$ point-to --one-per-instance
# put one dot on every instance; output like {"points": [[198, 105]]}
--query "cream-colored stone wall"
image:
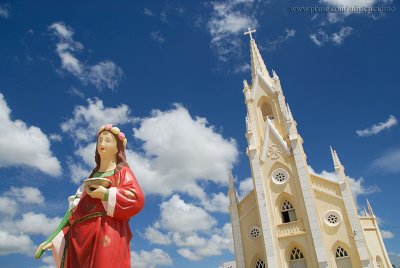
{"points": [[328, 197], [373, 241], [248, 218]]}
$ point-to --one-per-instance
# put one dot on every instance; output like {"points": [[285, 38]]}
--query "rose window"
{"points": [[332, 218], [280, 176], [254, 232]]}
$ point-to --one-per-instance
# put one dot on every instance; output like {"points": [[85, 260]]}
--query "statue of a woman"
{"points": [[95, 230]]}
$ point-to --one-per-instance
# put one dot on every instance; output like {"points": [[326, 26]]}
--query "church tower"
{"points": [[293, 217]]}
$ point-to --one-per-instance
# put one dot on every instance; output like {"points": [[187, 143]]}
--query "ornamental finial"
{"points": [[249, 32]]}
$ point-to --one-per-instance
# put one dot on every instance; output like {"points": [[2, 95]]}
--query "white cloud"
{"points": [[339, 37], [387, 234], [156, 36], [216, 203], [87, 154], [154, 236], [377, 128], [214, 246], [25, 145], [178, 216], [15, 243], [191, 229], [242, 68], [55, 137], [86, 120], [32, 223], [26, 195], [179, 152], [105, 74], [66, 46], [78, 172], [246, 186], [188, 254], [189, 240], [350, 3], [320, 38], [76, 92], [150, 259], [15, 231], [228, 20], [334, 17], [168, 10], [358, 187], [81, 168], [388, 162], [5, 11], [8, 206], [289, 33], [48, 260], [148, 12], [339, 11]]}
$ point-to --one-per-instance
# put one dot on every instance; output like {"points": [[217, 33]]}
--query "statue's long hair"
{"points": [[121, 157]]}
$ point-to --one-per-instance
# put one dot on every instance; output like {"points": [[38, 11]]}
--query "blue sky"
{"points": [[170, 74]]}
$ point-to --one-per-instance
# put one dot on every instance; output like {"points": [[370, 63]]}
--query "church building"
{"points": [[293, 217]]}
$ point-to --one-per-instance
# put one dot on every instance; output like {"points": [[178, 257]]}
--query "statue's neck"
{"points": [[107, 164]]}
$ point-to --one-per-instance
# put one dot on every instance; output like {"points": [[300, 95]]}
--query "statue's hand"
{"points": [[98, 193], [43, 246]]}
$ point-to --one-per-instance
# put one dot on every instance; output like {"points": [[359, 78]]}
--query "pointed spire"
{"points": [[257, 62], [245, 84], [233, 195], [274, 75], [336, 161], [231, 185], [365, 212], [289, 113], [371, 212]]}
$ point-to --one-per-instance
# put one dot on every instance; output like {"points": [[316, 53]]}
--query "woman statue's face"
{"points": [[106, 144]]}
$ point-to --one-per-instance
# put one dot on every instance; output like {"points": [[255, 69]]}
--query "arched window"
{"points": [[297, 259], [342, 258], [266, 111], [288, 212], [260, 264], [379, 262]]}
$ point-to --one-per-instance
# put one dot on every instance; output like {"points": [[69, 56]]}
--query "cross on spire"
{"points": [[249, 33]]}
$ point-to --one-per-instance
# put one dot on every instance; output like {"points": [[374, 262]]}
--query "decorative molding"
{"points": [[274, 75], [249, 126], [325, 186], [270, 126], [290, 229], [274, 152], [289, 115], [270, 87], [336, 161]]}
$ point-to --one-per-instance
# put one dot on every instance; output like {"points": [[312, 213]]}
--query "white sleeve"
{"points": [[109, 205], [73, 200]]}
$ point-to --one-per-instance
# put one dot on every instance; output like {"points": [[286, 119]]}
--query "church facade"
{"points": [[293, 217]]}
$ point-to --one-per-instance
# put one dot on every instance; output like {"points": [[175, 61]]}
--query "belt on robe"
{"points": [[84, 218]]}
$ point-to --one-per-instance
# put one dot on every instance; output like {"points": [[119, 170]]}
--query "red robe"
{"points": [[101, 241]]}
